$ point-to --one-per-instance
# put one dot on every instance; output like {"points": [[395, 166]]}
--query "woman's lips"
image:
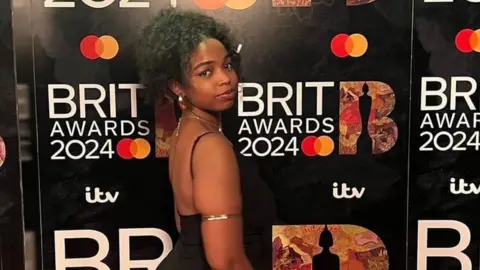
{"points": [[227, 95]]}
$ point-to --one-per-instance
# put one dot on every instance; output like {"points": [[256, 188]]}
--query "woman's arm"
{"points": [[177, 218], [216, 191]]}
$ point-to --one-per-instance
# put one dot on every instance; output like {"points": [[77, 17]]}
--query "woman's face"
{"points": [[212, 83]]}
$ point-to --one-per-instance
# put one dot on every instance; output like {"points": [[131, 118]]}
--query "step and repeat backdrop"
{"points": [[322, 116], [11, 210], [370, 153], [445, 140]]}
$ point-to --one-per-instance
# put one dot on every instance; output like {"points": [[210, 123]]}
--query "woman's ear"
{"points": [[176, 88], [179, 92]]}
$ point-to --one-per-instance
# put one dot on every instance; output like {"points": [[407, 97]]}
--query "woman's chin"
{"points": [[225, 106]]}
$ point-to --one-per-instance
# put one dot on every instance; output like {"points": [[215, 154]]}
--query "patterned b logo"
{"points": [[365, 112], [327, 247]]}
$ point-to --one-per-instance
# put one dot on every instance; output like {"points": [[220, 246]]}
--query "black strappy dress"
{"points": [[259, 214]]}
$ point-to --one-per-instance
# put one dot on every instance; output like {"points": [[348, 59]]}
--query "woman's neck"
{"points": [[211, 117]]}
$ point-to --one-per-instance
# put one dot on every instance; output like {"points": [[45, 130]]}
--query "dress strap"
{"points": [[193, 148]]}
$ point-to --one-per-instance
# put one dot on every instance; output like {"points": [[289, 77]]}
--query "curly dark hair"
{"points": [[167, 42]]}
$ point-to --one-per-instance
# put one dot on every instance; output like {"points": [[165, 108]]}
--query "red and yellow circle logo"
{"points": [[468, 40], [321, 146], [216, 4], [354, 45], [93, 47], [138, 148]]}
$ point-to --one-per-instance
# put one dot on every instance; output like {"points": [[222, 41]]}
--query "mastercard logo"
{"points": [[354, 45], [468, 40], [216, 4], [138, 148], [93, 47], [321, 146]]}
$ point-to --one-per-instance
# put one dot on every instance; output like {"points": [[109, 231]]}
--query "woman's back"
{"points": [[193, 143], [225, 210]]}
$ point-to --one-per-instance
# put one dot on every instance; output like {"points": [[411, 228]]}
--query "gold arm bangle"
{"points": [[218, 217]]}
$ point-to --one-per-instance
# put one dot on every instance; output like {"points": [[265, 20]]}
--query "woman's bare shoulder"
{"points": [[213, 144]]}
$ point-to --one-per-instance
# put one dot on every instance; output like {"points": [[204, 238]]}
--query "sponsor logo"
{"points": [[96, 4], [322, 146], [354, 45], [217, 4], [460, 186], [99, 196], [468, 40], [345, 192], [137, 148], [104, 47]]}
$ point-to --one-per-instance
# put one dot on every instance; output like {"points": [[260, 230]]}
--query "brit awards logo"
{"points": [[451, 114], [364, 109], [84, 129], [94, 121]]}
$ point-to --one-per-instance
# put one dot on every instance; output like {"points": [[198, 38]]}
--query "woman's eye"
{"points": [[229, 66], [206, 73]]}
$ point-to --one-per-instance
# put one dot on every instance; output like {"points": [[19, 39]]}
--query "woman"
{"points": [[224, 212]]}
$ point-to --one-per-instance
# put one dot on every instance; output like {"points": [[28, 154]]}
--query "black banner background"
{"points": [[279, 45], [435, 55], [11, 208]]}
